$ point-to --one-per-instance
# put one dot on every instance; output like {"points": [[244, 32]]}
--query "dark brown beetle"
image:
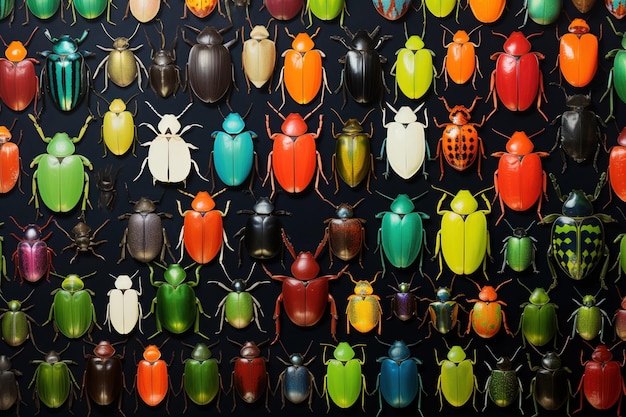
{"points": [[104, 376], [105, 183], [83, 239], [346, 235], [163, 74]]}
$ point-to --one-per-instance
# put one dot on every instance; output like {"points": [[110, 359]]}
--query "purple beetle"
{"points": [[403, 302], [33, 256]]}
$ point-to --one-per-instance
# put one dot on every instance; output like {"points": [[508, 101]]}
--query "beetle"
{"points": [[538, 322], [60, 175], [461, 61], [344, 381], [205, 235], [305, 294], [163, 73], [463, 239], [584, 6], [517, 79], [16, 322], [353, 160], [460, 144], [456, 382], [520, 180], [503, 385], [66, 61], [302, 72], [83, 240], [54, 380], [201, 8], [233, 154], [405, 144], [124, 310], [414, 69], [616, 167], [72, 307], [550, 387], [363, 311], [589, 317], [540, 11], [10, 160], [578, 54], [169, 156], [296, 382], [121, 65], [11, 394], [250, 377], [43, 10], [487, 315], [20, 84], [441, 8], [392, 10], [7, 8], [577, 235], [619, 318], [362, 75], [616, 7], [325, 10], [403, 302], [33, 256], [487, 11], [144, 10], [519, 250], [209, 69], [105, 183], [104, 378], [258, 57], [152, 379], [443, 310], [399, 381], [579, 132], [294, 158], [118, 131], [283, 9], [616, 80], [144, 236], [201, 378], [346, 234], [176, 304], [401, 235], [239, 307], [261, 236], [90, 9]]}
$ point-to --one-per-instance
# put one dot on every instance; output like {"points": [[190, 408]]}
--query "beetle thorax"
{"points": [[405, 115], [517, 44], [519, 144], [363, 288], [263, 206], [460, 115], [201, 352], [123, 282], [52, 357], [239, 285], [5, 363], [294, 125], [14, 305], [250, 351], [175, 274], [61, 145], [461, 37], [504, 364], [259, 32], [539, 297], [621, 139], [519, 232], [344, 211], [551, 361], [443, 294], [72, 283], [15, 52], [65, 45], [414, 43], [352, 126], [362, 41], [203, 202], [464, 203], [399, 351], [456, 354], [305, 267], [488, 293], [5, 135], [209, 36], [151, 353], [104, 349], [343, 352], [302, 42], [144, 205], [169, 124], [117, 106], [121, 44], [577, 204], [589, 300], [578, 26], [163, 57], [32, 233], [601, 354], [296, 359], [233, 124]]}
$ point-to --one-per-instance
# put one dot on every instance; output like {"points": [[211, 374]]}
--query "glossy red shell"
{"points": [[519, 180], [152, 381], [250, 378], [517, 80], [19, 83], [294, 161], [305, 301], [603, 384], [203, 235], [617, 167]]}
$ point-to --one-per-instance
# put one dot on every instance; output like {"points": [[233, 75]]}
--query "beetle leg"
{"points": [[333, 317], [492, 84]]}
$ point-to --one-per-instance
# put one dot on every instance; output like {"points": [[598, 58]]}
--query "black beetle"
{"points": [[579, 135], [163, 74], [345, 233], [362, 74], [403, 303], [104, 376], [550, 387], [105, 183], [145, 235], [209, 69], [9, 387], [262, 233], [83, 240]]}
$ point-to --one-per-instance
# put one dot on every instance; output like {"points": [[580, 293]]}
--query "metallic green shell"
{"points": [[73, 313], [201, 380]]}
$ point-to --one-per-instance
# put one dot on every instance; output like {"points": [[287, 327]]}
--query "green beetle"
{"points": [[72, 308], [60, 174], [325, 10], [177, 307], [621, 256], [201, 378], [589, 317], [90, 9], [344, 382], [457, 382], [15, 322], [617, 75], [519, 250], [539, 322], [503, 385], [53, 380]]}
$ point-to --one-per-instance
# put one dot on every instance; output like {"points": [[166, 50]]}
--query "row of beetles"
{"points": [[60, 265]]}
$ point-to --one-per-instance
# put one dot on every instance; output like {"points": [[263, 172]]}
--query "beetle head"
{"points": [[5, 363], [578, 26], [60, 145], [201, 352], [250, 350], [402, 204], [578, 101], [144, 205], [551, 361], [519, 144], [464, 203], [460, 115], [263, 206], [259, 32], [343, 352], [16, 50], [456, 354], [294, 125], [414, 43], [151, 353], [305, 267], [233, 124], [203, 202], [460, 37], [399, 351], [621, 138], [117, 106], [539, 297], [601, 354], [303, 42], [578, 204], [104, 349], [405, 115], [209, 36], [124, 282], [5, 135], [517, 44], [362, 40], [175, 274]]}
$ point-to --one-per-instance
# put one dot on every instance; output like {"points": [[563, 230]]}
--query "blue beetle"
{"points": [[296, 383], [399, 381]]}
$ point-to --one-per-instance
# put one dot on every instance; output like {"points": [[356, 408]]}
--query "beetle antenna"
{"points": [[598, 293], [3, 41], [29, 38], [536, 133], [374, 33], [283, 346], [103, 98], [192, 196], [358, 202], [184, 110], [16, 353], [503, 283], [501, 134], [107, 33], [474, 30], [493, 32], [316, 32], [249, 22], [193, 28], [475, 283], [615, 345], [351, 277], [140, 343], [249, 109], [222, 30], [135, 32], [13, 124], [158, 23], [561, 87], [234, 342], [57, 275], [330, 203], [406, 33], [391, 107], [313, 111], [288, 244], [468, 344], [128, 194], [320, 247], [515, 354], [63, 350], [419, 196], [565, 345], [251, 271], [375, 277], [155, 112], [274, 108], [483, 191], [289, 34], [448, 30], [219, 192], [381, 342], [307, 349], [89, 275], [527, 289], [187, 345], [471, 108], [347, 30], [339, 117], [512, 228], [130, 98], [90, 342], [446, 343], [366, 114], [163, 344], [386, 196], [431, 282], [27, 297], [492, 355], [219, 109], [442, 190], [3, 299], [534, 34], [263, 343]]}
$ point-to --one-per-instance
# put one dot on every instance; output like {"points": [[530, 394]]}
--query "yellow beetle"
{"points": [[363, 311]]}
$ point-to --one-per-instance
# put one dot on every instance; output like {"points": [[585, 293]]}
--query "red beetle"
{"points": [[616, 174], [461, 61], [459, 143], [616, 7], [602, 383], [486, 317], [203, 228], [283, 9], [520, 179], [153, 378], [10, 162], [517, 79], [619, 318], [302, 71], [250, 377], [19, 83], [305, 295], [578, 54], [294, 157]]}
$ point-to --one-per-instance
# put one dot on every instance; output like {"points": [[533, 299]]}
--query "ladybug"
{"points": [[459, 142]]}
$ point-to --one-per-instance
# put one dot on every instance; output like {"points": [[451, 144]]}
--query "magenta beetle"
{"points": [[250, 377], [517, 78], [345, 233], [33, 256]]}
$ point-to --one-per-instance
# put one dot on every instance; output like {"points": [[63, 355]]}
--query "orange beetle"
{"points": [[10, 162], [152, 377], [578, 54], [461, 61], [487, 316], [302, 70], [487, 11]]}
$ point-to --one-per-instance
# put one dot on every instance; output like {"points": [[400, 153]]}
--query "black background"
{"points": [[305, 225]]}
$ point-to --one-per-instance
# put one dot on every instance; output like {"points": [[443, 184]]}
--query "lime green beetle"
{"points": [[414, 69], [344, 382], [457, 382]]}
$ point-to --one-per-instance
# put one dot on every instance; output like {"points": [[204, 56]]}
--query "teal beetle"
{"points": [[577, 236], [539, 321], [457, 382], [54, 381], [519, 250], [201, 378], [589, 317], [344, 382], [542, 12]]}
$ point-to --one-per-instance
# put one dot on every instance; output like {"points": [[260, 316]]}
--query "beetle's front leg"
{"points": [[333, 317], [276, 317]]}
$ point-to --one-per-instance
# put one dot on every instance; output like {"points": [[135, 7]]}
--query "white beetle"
{"points": [[405, 144], [124, 309], [169, 158]]}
